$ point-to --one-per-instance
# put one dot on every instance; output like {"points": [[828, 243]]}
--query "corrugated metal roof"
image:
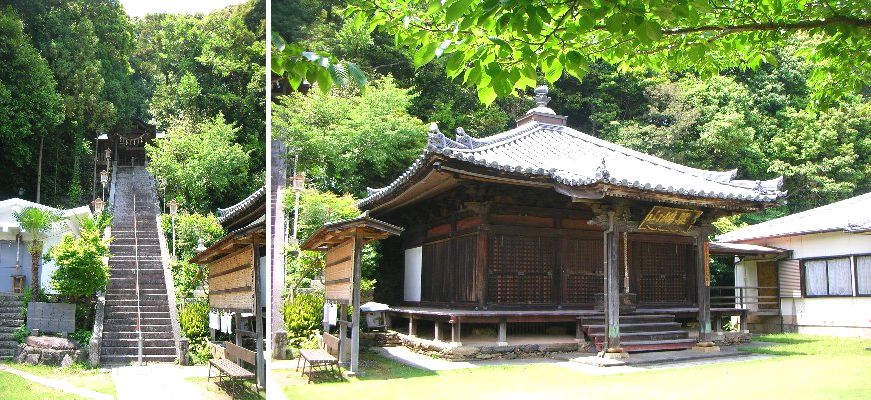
{"points": [[572, 158], [850, 215]]}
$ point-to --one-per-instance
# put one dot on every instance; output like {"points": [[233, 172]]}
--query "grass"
{"points": [[807, 367], [76, 375], [226, 390], [18, 388]]}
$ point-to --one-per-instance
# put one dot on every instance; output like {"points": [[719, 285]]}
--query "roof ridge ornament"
{"points": [[602, 171], [541, 97], [437, 139], [464, 139]]}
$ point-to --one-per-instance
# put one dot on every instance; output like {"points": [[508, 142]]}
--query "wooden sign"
{"points": [[231, 281], [668, 219], [707, 264], [51, 317], [339, 272]]}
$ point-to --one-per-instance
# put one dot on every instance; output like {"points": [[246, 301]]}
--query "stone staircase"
{"points": [[641, 332], [120, 336], [10, 320]]}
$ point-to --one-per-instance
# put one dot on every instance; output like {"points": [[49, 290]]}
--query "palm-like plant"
{"points": [[37, 222]]}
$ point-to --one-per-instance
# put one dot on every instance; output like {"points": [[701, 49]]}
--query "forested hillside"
{"points": [[76, 68], [765, 122]]}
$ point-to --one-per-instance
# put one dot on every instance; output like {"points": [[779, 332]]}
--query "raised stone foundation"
{"points": [[47, 350], [456, 352]]}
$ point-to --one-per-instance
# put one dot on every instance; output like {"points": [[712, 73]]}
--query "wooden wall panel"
{"points": [[436, 276], [465, 260]]}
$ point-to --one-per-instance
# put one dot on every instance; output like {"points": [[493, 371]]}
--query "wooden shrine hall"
{"points": [[237, 275], [543, 226], [126, 143]]}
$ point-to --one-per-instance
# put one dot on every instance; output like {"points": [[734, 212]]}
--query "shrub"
{"points": [[303, 316], [21, 333], [81, 272], [82, 337], [199, 351], [187, 277], [194, 320]]}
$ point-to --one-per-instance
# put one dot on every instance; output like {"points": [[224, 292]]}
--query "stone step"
{"points": [[654, 345], [12, 322], [629, 337], [131, 328], [135, 335], [646, 327], [146, 343], [10, 329], [127, 360], [133, 308], [133, 350], [629, 319]]}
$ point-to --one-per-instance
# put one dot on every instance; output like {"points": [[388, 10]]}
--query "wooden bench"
{"points": [[231, 367], [318, 359]]}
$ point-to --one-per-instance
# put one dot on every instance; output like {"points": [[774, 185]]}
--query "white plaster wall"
{"points": [[840, 316], [745, 275], [413, 266]]}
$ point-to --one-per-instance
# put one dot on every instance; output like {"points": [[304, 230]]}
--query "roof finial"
{"points": [[541, 97]]}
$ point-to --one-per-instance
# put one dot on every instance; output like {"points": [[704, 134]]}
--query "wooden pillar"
{"points": [[455, 331], [482, 259], [703, 286], [612, 287], [237, 322], [412, 326], [437, 334], [355, 306], [343, 333], [260, 335], [502, 340]]}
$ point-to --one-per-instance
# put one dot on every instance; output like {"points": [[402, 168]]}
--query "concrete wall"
{"points": [[837, 316]]}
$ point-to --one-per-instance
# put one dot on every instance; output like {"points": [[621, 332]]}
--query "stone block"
{"points": [[66, 362], [32, 359], [50, 342]]}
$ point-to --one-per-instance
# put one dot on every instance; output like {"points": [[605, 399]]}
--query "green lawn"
{"points": [[806, 367], [14, 387], [76, 375]]}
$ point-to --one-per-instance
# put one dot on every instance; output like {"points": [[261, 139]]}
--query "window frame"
{"points": [[854, 275]]}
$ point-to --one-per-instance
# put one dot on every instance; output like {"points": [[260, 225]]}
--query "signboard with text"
{"points": [[669, 219]]}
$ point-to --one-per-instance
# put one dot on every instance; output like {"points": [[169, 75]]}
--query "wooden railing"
{"points": [[759, 299]]}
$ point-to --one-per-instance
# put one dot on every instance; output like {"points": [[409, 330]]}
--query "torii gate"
{"points": [[343, 243]]}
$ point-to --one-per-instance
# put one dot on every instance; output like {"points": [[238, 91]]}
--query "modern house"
{"points": [[524, 230], [817, 271], [14, 257]]}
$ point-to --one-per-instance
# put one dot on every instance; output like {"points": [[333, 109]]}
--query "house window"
{"points": [[863, 275], [828, 277]]}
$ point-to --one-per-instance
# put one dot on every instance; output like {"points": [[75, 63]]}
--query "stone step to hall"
{"points": [[655, 345], [629, 319], [132, 329], [135, 335], [129, 360], [134, 350], [652, 326], [630, 337]]}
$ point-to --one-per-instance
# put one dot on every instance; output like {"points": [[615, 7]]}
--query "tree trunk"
{"points": [[39, 171], [35, 257]]}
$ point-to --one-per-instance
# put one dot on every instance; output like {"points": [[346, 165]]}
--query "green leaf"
{"points": [[425, 54], [455, 10], [533, 24], [553, 70], [357, 75], [278, 42], [486, 95]]}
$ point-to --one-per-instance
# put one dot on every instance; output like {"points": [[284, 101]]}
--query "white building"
{"points": [[14, 258], [823, 274]]}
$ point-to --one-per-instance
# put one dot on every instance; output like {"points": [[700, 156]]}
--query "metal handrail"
{"points": [[136, 267]]}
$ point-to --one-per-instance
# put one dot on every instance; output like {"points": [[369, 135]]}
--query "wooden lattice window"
{"points": [[663, 270], [583, 260], [521, 269]]}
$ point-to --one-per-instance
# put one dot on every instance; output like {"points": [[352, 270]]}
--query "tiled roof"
{"points": [[850, 215], [225, 214], [574, 159]]}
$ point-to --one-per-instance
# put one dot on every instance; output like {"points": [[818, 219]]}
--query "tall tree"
{"points": [[30, 108], [498, 46]]}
